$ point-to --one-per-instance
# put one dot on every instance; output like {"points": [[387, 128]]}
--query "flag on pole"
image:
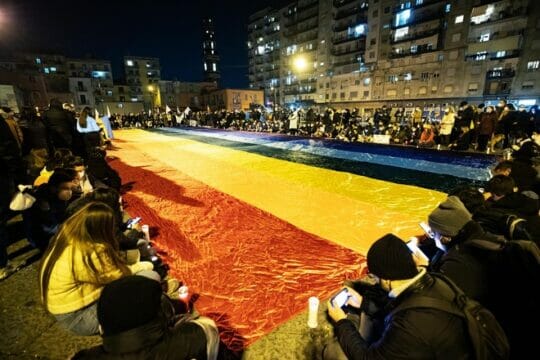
{"points": [[167, 109], [187, 110], [108, 111]]}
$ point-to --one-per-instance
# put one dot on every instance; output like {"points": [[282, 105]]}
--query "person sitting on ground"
{"points": [[42, 220], [134, 323], [99, 168], [409, 334], [503, 196], [81, 259]]}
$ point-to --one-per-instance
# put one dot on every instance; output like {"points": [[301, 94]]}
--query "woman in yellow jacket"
{"points": [[81, 259]]}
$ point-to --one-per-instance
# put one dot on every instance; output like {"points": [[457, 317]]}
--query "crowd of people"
{"points": [[99, 273], [467, 128]]}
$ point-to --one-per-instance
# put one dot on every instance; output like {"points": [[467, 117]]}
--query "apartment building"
{"points": [[142, 75], [368, 53]]}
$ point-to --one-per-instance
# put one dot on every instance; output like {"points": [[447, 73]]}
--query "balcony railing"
{"points": [[422, 18], [421, 49], [500, 74], [502, 15], [297, 30], [340, 3], [347, 12], [340, 26], [418, 6], [352, 60], [417, 35], [357, 48], [308, 6], [342, 39]]}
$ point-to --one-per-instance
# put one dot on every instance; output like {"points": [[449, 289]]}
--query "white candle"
{"points": [[313, 310], [146, 231]]}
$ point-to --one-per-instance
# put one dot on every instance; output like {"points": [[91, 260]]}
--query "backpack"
{"points": [[487, 337]]}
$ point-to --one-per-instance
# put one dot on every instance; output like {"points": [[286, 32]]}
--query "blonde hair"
{"points": [[92, 225]]}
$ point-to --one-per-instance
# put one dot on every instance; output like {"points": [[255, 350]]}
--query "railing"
{"points": [[293, 31], [416, 6], [340, 3], [502, 15], [358, 47], [347, 62], [422, 18], [342, 39], [359, 19], [500, 74], [417, 35], [421, 49]]}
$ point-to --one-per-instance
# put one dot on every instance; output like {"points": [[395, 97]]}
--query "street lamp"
{"points": [[151, 90]]}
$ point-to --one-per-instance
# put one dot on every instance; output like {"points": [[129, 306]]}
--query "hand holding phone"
{"points": [[427, 230], [133, 222], [418, 255], [340, 299]]}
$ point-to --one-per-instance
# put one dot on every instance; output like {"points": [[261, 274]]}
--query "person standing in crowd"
{"points": [[82, 259], [488, 122], [12, 174], [88, 128], [447, 124], [60, 125]]}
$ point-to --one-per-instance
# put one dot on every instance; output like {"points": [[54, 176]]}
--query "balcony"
{"points": [[352, 60], [417, 35], [314, 3], [422, 18], [296, 30], [298, 18], [343, 39], [349, 50], [348, 12], [496, 17], [425, 3], [358, 19], [501, 74], [507, 55], [420, 49], [340, 3]]}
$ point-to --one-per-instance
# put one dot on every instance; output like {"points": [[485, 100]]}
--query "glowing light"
{"points": [[150, 88], [300, 63]]}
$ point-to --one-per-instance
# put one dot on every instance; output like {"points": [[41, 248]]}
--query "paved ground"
{"points": [[27, 331]]}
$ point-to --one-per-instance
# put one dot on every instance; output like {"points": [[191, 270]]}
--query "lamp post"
{"points": [[151, 89]]}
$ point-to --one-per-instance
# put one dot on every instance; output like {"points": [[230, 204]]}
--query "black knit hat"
{"points": [[128, 303], [389, 258]]}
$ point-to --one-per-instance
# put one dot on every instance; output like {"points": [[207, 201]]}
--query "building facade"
{"points": [[210, 55], [142, 75], [364, 53], [182, 94], [232, 99]]}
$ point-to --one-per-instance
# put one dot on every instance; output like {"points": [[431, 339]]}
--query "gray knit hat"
{"points": [[449, 217]]}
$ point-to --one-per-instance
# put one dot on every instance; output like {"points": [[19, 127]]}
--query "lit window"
{"points": [[448, 7], [392, 78], [53, 69], [367, 81], [419, 2], [205, 67], [149, 73], [214, 67], [481, 55], [260, 50], [46, 70], [359, 30], [211, 44], [148, 65], [459, 19], [129, 62], [38, 61], [483, 17], [407, 77], [414, 48], [500, 54], [403, 17], [323, 41], [321, 64], [134, 99], [401, 32], [473, 87], [484, 37], [533, 65]]}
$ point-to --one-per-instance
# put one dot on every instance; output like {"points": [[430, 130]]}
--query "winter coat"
{"points": [[414, 333], [447, 124]]}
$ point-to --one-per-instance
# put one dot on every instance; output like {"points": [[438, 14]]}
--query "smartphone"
{"points": [[132, 222], [427, 230], [412, 244], [340, 299]]}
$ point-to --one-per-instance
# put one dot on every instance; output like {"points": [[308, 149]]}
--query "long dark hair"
{"points": [[90, 228], [82, 117]]}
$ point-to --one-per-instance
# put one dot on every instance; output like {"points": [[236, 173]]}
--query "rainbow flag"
{"points": [[257, 223]]}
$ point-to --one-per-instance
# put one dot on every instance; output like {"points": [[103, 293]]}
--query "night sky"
{"points": [[109, 29]]}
